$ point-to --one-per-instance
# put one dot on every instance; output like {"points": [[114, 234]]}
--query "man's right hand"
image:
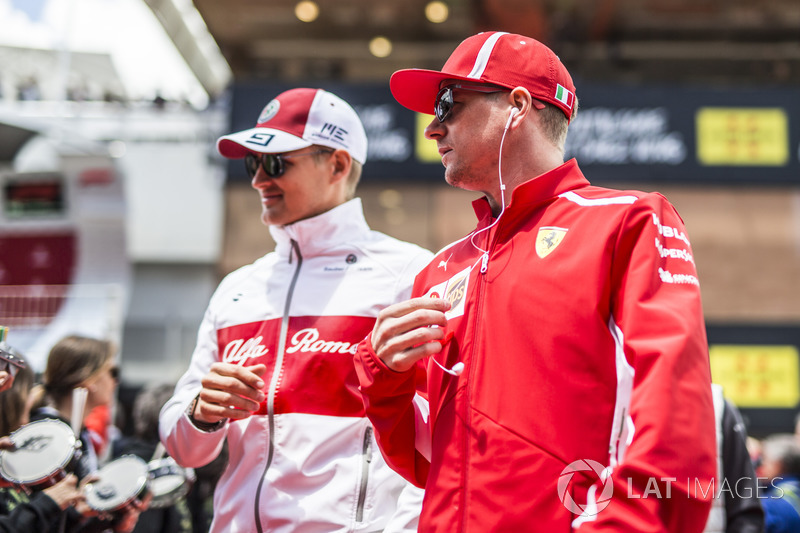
{"points": [[66, 492], [230, 391], [403, 333]]}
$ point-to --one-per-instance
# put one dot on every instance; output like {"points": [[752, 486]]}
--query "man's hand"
{"points": [[407, 331], [66, 492], [81, 506], [127, 521], [230, 391]]}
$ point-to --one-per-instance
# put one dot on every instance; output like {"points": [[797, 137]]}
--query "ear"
{"points": [[341, 161], [520, 98]]}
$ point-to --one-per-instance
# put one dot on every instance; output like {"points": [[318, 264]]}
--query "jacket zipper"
{"points": [[478, 316], [276, 374], [366, 459]]}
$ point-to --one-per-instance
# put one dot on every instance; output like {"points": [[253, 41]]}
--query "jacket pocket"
{"points": [[366, 459]]}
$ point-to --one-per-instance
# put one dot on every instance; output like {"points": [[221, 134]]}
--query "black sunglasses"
{"points": [[444, 100], [273, 164], [10, 363]]}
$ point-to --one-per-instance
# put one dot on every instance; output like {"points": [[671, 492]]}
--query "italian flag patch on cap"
{"points": [[564, 96]]}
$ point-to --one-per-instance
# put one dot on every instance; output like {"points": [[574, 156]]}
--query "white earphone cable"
{"points": [[458, 368], [484, 253]]}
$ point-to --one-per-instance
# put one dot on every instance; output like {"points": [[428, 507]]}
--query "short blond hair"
{"points": [[555, 124], [353, 179]]}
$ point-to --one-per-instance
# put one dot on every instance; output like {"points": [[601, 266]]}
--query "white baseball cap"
{"points": [[298, 118]]}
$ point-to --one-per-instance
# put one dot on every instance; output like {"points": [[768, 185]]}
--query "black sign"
{"points": [[621, 133], [687, 135]]}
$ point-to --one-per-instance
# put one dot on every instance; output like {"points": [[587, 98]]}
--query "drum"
{"points": [[169, 481], [46, 451], [120, 483]]}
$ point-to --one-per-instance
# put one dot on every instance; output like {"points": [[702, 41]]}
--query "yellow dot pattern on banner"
{"points": [[742, 136], [757, 376]]}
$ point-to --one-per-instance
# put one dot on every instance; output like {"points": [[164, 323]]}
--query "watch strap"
{"points": [[208, 427]]}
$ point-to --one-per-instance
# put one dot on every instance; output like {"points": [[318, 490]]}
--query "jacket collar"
{"points": [[544, 187], [344, 223]]}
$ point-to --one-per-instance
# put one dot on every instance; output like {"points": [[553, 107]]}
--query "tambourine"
{"points": [[45, 452], [169, 482], [120, 483]]}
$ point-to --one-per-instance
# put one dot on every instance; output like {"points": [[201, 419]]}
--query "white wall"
{"points": [[175, 207]]}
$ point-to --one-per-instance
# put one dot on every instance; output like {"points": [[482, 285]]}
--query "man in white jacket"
{"points": [[272, 372]]}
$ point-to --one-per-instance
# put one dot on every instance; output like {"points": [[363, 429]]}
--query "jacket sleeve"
{"points": [[409, 504], [664, 463], [188, 445], [38, 514], [743, 511], [390, 399]]}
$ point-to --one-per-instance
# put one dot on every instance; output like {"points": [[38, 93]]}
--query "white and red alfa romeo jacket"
{"points": [[307, 460], [584, 346]]}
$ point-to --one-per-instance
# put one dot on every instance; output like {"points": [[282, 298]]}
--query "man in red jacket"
{"points": [[562, 341]]}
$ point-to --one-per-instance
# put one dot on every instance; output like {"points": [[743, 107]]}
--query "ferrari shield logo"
{"points": [[548, 239]]}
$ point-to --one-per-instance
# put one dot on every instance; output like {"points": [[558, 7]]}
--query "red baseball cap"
{"points": [[505, 59], [298, 118]]}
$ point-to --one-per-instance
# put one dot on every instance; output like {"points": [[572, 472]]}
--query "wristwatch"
{"points": [[207, 427]]}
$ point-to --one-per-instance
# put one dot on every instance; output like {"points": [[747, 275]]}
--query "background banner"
{"points": [[622, 133]]}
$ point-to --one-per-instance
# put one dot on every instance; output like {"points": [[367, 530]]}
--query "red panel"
{"points": [[38, 259], [96, 176], [30, 261], [318, 375]]}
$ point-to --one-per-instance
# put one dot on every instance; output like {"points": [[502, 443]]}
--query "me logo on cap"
{"points": [[270, 110], [332, 131]]}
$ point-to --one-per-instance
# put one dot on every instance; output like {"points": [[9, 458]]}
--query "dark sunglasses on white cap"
{"points": [[273, 164]]}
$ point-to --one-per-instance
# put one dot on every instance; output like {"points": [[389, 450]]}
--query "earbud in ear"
{"points": [[514, 111]]}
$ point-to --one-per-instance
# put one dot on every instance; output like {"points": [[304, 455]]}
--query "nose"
{"points": [[434, 129], [260, 178]]}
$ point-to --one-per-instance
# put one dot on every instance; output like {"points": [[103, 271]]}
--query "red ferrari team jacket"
{"points": [[585, 403]]}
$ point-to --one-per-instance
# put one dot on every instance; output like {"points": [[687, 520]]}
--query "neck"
{"points": [[497, 197], [512, 178], [495, 205], [64, 408]]}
